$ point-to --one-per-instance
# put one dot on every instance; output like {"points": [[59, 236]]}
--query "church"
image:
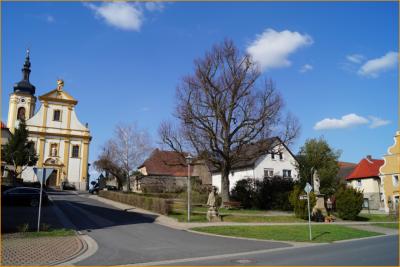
{"points": [[61, 141]]}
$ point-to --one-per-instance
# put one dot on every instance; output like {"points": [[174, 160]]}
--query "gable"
{"points": [[58, 96]]}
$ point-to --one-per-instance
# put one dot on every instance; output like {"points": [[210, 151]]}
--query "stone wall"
{"points": [[159, 184]]}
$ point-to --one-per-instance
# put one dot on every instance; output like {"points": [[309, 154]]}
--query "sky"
{"points": [[335, 64]]}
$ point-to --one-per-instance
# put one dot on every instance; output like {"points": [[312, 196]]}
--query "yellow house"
{"points": [[390, 173]]}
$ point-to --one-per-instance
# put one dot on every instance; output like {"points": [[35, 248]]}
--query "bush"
{"points": [[270, 193], [300, 205], [349, 202], [159, 205]]}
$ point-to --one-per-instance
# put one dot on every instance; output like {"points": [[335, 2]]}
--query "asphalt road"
{"points": [[132, 238]]}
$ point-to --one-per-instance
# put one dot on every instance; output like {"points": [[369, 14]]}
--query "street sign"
{"points": [[42, 173], [308, 188], [303, 197]]}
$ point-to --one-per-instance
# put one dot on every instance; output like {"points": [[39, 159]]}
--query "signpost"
{"points": [[308, 189], [42, 174]]}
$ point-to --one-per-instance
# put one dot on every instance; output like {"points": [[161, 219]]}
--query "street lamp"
{"points": [[189, 160]]}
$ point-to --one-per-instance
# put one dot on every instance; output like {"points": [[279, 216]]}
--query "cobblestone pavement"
{"points": [[17, 250]]}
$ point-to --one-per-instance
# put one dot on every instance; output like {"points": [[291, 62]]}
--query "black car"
{"points": [[67, 186], [95, 189], [24, 196]]}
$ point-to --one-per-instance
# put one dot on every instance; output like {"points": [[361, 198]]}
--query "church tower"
{"points": [[22, 100]]}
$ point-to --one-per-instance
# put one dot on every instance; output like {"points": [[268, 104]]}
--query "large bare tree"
{"points": [[224, 106], [124, 152]]}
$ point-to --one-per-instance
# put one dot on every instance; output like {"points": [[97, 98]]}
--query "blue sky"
{"points": [[335, 64]]}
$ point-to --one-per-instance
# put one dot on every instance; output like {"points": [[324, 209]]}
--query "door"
{"points": [[52, 180]]}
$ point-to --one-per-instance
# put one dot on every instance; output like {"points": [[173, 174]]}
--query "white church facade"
{"points": [[61, 141]]}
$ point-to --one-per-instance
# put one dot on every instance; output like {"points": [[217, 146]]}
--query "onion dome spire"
{"points": [[24, 85]]}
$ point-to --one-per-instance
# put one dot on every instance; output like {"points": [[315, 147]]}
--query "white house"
{"points": [[61, 141], [279, 161]]}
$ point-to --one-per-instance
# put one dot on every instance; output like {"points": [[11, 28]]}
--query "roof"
{"points": [[366, 168], [343, 164], [58, 96], [167, 163]]}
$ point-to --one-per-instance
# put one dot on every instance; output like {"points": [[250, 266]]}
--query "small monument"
{"points": [[320, 205], [212, 213]]}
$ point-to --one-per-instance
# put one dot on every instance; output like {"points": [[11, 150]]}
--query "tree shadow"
{"points": [[320, 234]]}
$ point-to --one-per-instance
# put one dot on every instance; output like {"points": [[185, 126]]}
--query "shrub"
{"points": [[244, 192], [158, 205], [349, 202], [300, 205]]}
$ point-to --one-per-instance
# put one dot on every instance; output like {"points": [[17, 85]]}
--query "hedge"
{"points": [[158, 205]]}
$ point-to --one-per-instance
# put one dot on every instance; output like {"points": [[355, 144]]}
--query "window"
{"points": [[287, 173], [57, 115], [75, 151], [272, 155], [21, 113], [268, 172], [53, 150], [359, 183], [395, 179], [280, 156]]}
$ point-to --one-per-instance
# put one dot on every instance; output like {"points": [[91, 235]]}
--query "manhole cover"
{"points": [[244, 261]]}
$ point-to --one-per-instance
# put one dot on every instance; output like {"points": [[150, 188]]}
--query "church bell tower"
{"points": [[22, 100]]}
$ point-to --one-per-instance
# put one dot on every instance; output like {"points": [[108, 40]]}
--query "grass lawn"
{"points": [[387, 225], [375, 218], [182, 216], [275, 219], [56, 232], [299, 233]]}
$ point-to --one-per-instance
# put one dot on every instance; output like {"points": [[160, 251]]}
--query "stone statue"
{"points": [[212, 213], [316, 182], [211, 198], [60, 85]]}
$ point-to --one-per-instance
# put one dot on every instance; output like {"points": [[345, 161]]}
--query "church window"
{"points": [[57, 115], [75, 151], [53, 150], [21, 113]]}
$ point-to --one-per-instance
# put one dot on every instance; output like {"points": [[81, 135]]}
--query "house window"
{"points": [[53, 150], [57, 115], [395, 179], [287, 173], [272, 155], [359, 183], [268, 173], [75, 151]]}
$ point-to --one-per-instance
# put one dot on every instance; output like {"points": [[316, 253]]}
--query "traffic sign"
{"points": [[308, 188], [42, 173], [303, 197]]}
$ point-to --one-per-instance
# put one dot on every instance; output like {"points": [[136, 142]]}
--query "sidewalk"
{"points": [[170, 222], [18, 250]]}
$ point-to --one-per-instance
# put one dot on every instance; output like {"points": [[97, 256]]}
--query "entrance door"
{"points": [[52, 180]]}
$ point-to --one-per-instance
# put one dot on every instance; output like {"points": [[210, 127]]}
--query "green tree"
{"points": [[19, 151], [349, 202], [300, 206], [318, 155]]}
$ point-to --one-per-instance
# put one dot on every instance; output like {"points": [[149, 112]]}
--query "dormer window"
{"points": [[57, 115]]}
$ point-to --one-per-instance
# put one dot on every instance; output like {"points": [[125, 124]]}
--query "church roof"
{"points": [[24, 86], [58, 95], [366, 168]]}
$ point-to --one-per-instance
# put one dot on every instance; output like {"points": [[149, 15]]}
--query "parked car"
{"points": [[67, 186], [95, 189], [111, 187], [24, 196]]}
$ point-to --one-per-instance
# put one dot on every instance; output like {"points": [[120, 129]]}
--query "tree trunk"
{"points": [[224, 185]]}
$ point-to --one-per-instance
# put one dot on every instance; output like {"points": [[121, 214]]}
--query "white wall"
{"points": [[368, 185]]}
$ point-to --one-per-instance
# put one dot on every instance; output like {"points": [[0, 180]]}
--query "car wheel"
{"points": [[34, 202]]}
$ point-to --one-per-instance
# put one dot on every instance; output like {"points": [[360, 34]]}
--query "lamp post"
{"points": [[189, 160]]}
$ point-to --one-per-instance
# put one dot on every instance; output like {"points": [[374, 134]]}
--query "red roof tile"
{"points": [[168, 163], [3, 125], [343, 164], [366, 168]]}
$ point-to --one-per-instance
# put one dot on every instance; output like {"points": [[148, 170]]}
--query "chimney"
{"points": [[369, 158]]}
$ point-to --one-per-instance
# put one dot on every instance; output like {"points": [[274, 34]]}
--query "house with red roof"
{"points": [[167, 171], [365, 177]]}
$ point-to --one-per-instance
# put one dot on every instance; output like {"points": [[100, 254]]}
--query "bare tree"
{"points": [[223, 107], [124, 152]]}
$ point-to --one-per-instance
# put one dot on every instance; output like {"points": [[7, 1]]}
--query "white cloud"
{"points": [[355, 58], [305, 68], [121, 15], [377, 122], [154, 6], [271, 48], [49, 19], [346, 121], [372, 68]]}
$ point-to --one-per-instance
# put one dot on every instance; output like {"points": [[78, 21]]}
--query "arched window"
{"points": [[21, 113], [75, 151]]}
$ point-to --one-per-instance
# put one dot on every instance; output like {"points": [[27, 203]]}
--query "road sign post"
{"points": [[308, 189], [42, 174]]}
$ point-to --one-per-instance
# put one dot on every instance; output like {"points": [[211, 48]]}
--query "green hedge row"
{"points": [[158, 205]]}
